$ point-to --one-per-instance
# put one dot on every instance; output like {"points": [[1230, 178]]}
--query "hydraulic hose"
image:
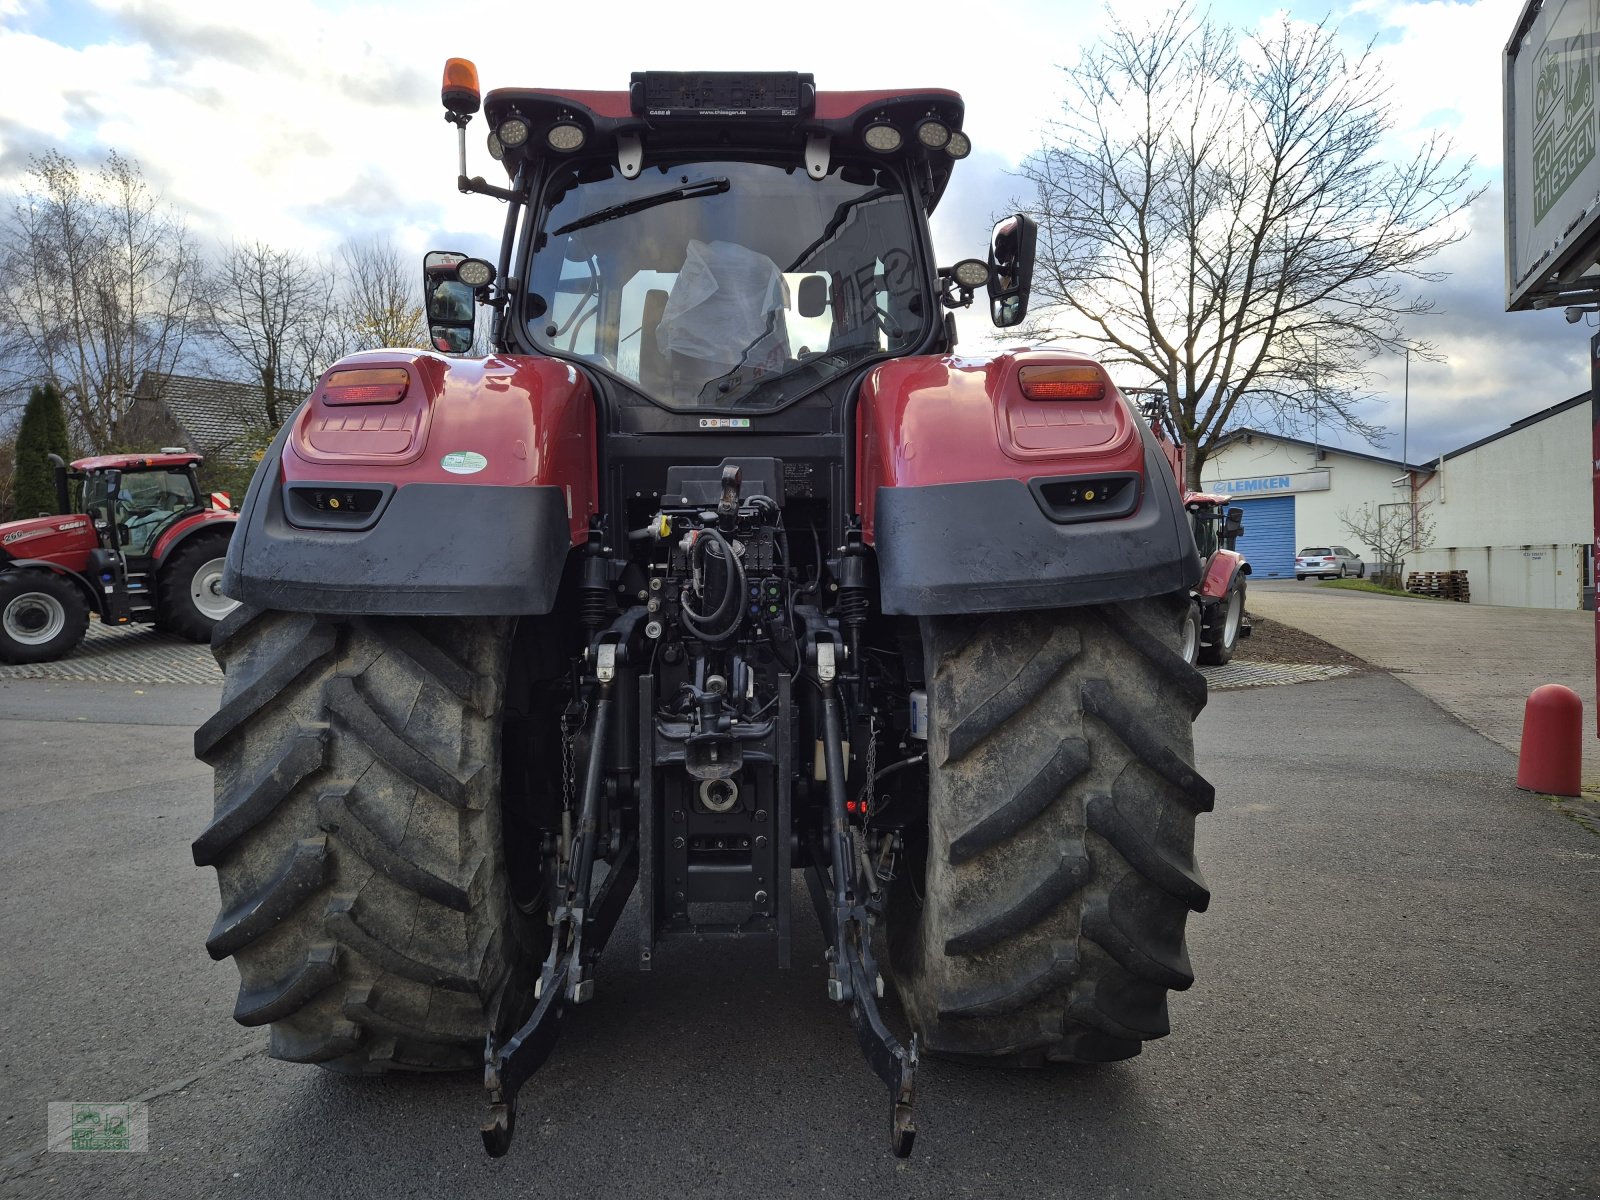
{"points": [[705, 626]]}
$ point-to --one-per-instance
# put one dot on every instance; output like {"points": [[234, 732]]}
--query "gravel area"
{"points": [[1274, 642]]}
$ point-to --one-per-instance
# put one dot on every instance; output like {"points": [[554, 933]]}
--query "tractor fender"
{"points": [[91, 594], [462, 497], [1224, 568], [211, 521], [979, 499]]}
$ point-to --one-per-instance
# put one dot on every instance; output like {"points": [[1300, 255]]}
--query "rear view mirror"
{"points": [[451, 283], [813, 298], [1011, 248], [1233, 525]]}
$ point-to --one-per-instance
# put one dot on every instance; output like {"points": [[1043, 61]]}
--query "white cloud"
{"points": [[1443, 61]]}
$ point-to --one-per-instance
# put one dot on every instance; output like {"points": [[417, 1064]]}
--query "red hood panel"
{"points": [[505, 421], [64, 539], [925, 421]]}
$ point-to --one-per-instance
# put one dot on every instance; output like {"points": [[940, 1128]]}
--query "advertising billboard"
{"points": [[1552, 171]]}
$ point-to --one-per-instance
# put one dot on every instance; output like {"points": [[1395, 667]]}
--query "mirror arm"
{"points": [[952, 294], [478, 185]]}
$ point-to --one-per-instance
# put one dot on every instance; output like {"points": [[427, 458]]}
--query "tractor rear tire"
{"points": [[1048, 923], [357, 838], [43, 617], [1219, 631], [189, 599]]}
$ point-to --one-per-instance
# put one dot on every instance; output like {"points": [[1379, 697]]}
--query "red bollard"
{"points": [[1552, 747]]}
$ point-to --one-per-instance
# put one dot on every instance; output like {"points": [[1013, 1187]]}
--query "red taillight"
{"points": [[1062, 383], [371, 385]]}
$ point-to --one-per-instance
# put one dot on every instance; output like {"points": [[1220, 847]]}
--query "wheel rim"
{"points": [[1191, 639], [1230, 627], [34, 618], [205, 589]]}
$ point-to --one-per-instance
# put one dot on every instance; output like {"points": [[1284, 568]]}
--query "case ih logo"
{"points": [[22, 535]]}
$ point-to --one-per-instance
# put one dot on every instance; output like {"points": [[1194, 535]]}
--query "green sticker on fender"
{"points": [[463, 462]]}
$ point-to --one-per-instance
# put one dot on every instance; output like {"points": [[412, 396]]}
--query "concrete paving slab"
{"points": [[140, 654], [1476, 661]]}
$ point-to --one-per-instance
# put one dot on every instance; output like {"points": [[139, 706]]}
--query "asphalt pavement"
{"points": [[1395, 997], [1477, 661]]}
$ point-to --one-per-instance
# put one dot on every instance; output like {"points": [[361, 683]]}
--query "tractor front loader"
{"points": [[721, 567]]}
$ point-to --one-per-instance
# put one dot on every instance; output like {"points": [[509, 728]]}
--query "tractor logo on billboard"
{"points": [[1563, 118]]}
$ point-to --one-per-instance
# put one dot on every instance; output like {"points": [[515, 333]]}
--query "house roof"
{"points": [[1516, 426], [1234, 435], [215, 415]]}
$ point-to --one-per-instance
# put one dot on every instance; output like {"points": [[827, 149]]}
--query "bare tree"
{"points": [[1390, 531], [274, 310], [1216, 211], [99, 283], [382, 296]]}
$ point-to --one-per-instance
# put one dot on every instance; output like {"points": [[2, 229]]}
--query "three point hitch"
{"points": [[846, 891]]}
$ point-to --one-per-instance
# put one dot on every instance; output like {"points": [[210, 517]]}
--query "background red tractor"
{"points": [[1216, 619], [145, 545]]}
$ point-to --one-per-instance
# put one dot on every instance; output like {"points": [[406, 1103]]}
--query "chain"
{"points": [[566, 770], [572, 720], [865, 798]]}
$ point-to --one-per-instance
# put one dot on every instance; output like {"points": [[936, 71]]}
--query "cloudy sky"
{"points": [[305, 123]]}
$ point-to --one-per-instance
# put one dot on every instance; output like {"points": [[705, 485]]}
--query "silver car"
{"points": [[1328, 562]]}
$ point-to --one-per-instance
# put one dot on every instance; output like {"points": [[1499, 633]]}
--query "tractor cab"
{"points": [[1216, 526], [720, 242], [133, 499]]}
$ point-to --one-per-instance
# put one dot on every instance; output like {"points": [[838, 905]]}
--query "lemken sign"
{"points": [[1272, 485]]}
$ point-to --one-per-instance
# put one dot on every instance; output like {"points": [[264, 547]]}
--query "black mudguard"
{"points": [[990, 547], [431, 550]]}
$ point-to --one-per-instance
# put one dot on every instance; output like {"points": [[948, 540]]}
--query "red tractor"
{"points": [[1217, 616], [147, 546], [1216, 619], [721, 567]]}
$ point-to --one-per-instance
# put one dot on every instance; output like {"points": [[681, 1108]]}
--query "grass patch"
{"points": [[1581, 810], [1366, 585]]}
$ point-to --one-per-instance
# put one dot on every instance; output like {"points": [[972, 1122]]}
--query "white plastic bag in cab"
{"points": [[725, 307]]}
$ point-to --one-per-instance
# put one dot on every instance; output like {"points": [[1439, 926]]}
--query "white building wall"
{"points": [[1516, 514], [1530, 486], [1352, 482], [1541, 576]]}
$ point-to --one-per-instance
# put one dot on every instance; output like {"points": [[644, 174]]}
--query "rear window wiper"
{"points": [[701, 187]]}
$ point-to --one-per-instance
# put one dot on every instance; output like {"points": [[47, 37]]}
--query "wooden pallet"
{"points": [[1441, 585]]}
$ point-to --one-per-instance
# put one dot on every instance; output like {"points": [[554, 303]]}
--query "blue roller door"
{"points": [[1268, 541]]}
